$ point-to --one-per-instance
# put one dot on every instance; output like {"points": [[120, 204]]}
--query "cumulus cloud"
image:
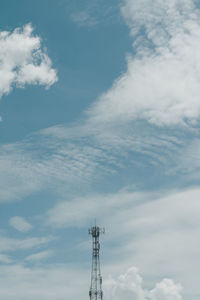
{"points": [[128, 286], [166, 290], [20, 224], [161, 84], [23, 61]]}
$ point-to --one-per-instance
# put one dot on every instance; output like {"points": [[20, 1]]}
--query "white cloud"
{"points": [[52, 282], [13, 244], [188, 160], [68, 161], [57, 282], [157, 232], [23, 61], [166, 290], [39, 256], [159, 19], [128, 286], [20, 224], [92, 13], [80, 155], [83, 18], [161, 84], [78, 211], [5, 259]]}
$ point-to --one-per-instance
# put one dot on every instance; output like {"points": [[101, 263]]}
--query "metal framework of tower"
{"points": [[96, 292]]}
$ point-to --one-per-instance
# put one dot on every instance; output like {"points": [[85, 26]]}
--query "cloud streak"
{"points": [[13, 244], [20, 224], [37, 257]]}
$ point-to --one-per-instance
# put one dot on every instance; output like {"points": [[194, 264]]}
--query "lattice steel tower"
{"points": [[96, 292]]}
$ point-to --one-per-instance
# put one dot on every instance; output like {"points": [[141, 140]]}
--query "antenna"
{"points": [[96, 292]]}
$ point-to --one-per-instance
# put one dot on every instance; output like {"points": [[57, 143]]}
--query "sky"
{"points": [[99, 119]]}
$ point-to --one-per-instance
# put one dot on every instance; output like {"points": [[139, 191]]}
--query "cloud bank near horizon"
{"points": [[129, 286]]}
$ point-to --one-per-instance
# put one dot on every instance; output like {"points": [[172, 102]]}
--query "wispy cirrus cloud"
{"points": [[20, 224], [93, 13], [79, 155], [83, 18], [13, 244], [59, 163], [37, 257]]}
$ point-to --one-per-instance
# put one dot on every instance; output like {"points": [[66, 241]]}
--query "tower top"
{"points": [[95, 231]]}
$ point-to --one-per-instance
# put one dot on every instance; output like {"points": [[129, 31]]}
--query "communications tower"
{"points": [[96, 292]]}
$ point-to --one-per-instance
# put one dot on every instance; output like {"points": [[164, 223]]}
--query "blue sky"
{"points": [[99, 107]]}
